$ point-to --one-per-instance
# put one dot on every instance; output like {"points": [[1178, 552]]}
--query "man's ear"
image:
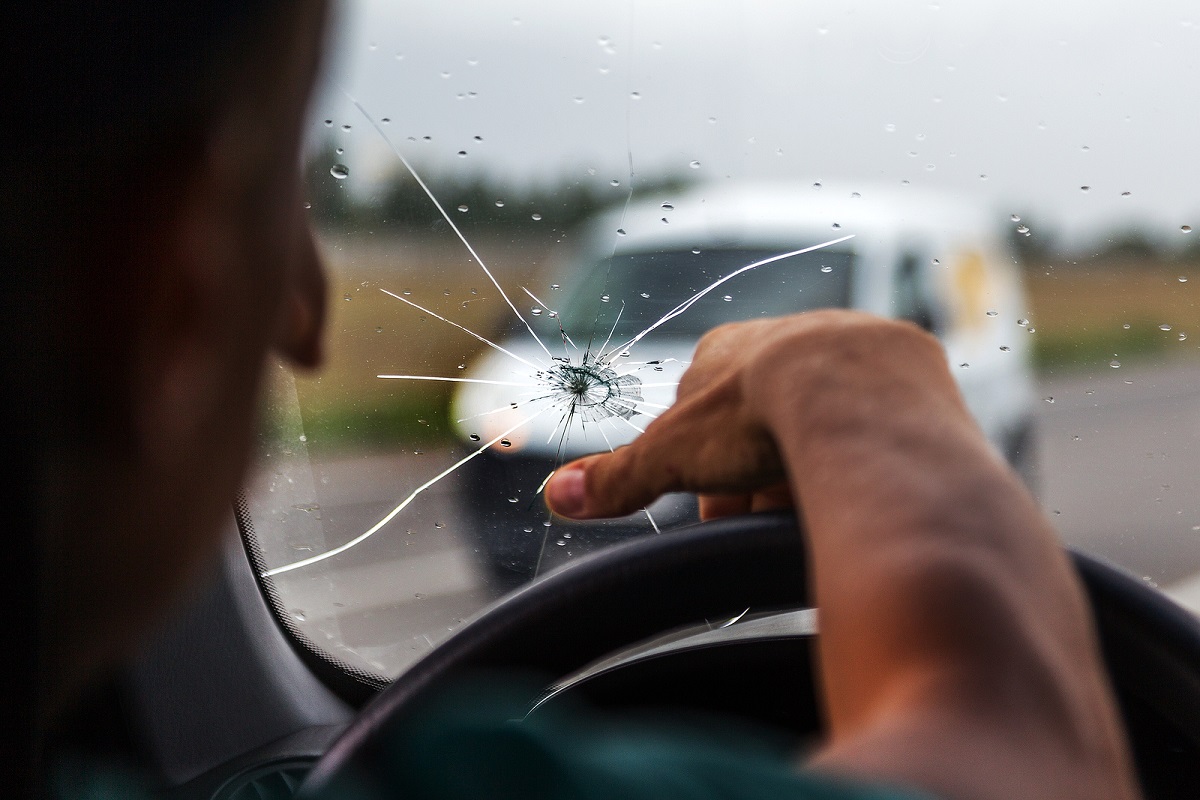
{"points": [[183, 256]]}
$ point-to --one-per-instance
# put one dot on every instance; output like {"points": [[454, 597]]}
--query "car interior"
{"points": [[358, 576]]}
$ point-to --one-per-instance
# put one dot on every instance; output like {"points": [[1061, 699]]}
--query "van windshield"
{"points": [[644, 287]]}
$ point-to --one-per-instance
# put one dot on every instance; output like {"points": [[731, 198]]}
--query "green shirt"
{"points": [[476, 744]]}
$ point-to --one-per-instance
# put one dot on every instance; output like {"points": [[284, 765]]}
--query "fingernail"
{"points": [[566, 492]]}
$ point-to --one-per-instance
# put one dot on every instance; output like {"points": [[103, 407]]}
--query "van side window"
{"points": [[911, 297]]}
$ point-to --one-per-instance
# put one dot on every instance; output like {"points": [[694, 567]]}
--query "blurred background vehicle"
{"points": [[938, 261]]}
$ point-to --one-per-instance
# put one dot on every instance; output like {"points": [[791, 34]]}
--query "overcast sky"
{"points": [[1043, 98]]}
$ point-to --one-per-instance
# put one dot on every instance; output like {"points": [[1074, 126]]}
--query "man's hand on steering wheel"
{"points": [[956, 649]]}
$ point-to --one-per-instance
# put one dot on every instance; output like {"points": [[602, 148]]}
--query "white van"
{"points": [[595, 382]]}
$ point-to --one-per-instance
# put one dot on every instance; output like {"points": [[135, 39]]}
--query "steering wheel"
{"points": [[616, 597]]}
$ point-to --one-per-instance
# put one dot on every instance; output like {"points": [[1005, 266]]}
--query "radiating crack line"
{"points": [[404, 504], [448, 219], [686, 304], [488, 342], [554, 316], [507, 407], [457, 380], [614, 329]]}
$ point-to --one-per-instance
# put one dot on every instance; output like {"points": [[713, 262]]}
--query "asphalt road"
{"points": [[1119, 454]]}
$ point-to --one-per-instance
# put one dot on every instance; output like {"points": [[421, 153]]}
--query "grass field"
{"points": [[372, 333], [1084, 316]]}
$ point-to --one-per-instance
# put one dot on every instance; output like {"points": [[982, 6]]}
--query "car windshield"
{"points": [[520, 201]]}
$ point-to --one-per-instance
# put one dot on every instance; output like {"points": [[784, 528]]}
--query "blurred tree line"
{"points": [[401, 205], [1128, 247]]}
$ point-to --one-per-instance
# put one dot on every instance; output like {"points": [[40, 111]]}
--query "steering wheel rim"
{"points": [[613, 598]]}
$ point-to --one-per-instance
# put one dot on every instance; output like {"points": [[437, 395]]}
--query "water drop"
{"points": [[474, 437], [561, 542], [499, 204], [1183, 337], [505, 443], [1024, 323], [578, 100], [1185, 229], [328, 123], [555, 286], [1183, 279], [379, 329], [826, 268], [339, 150], [1114, 364], [1005, 348], [964, 365], [620, 231], [1126, 194], [439, 525], [1125, 326], [1164, 327], [1049, 399], [535, 217], [345, 127], [463, 208], [537, 312], [694, 165], [668, 207], [339, 171], [1085, 188], [1023, 229], [646, 295], [817, 186], [298, 614], [992, 312], [513, 499], [346, 297], [728, 298], [890, 127], [605, 298], [635, 95], [614, 182], [462, 153]]}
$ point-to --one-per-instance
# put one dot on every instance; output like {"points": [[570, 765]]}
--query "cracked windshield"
{"points": [[531, 211]]}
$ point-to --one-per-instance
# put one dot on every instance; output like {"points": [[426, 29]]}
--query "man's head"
{"points": [[161, 236]]}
